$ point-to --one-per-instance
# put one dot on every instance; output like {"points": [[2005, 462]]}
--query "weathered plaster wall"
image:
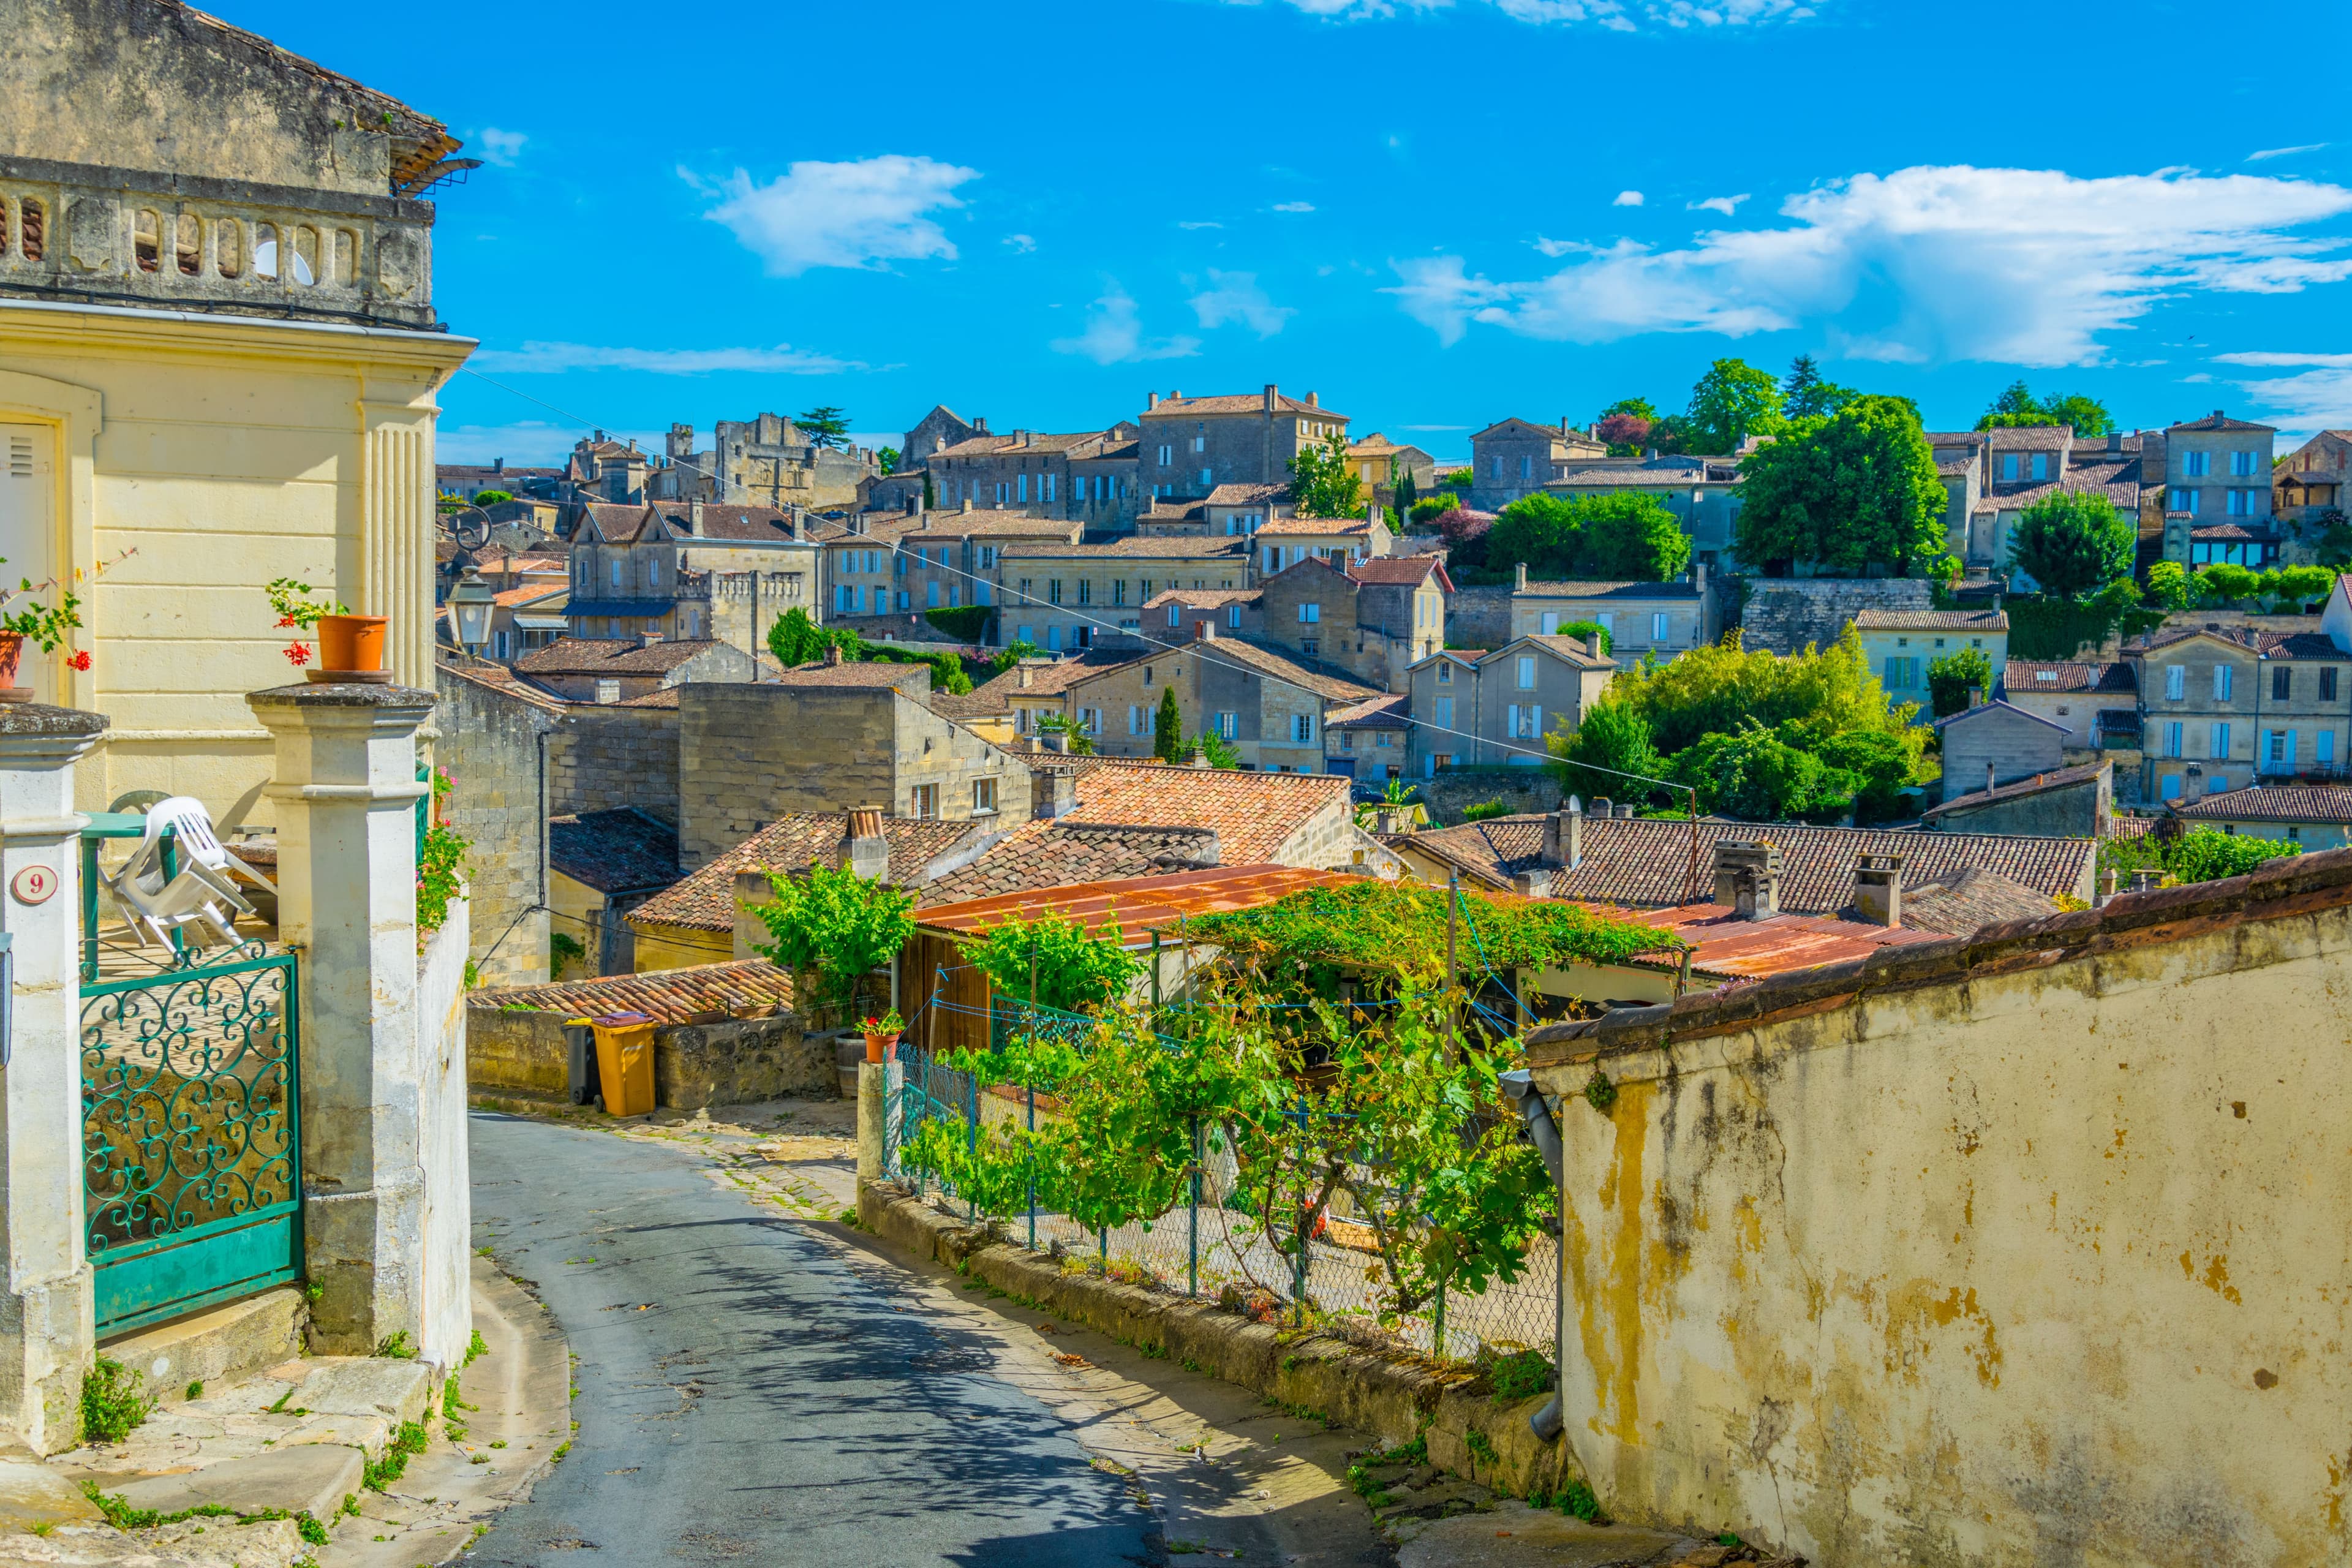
{"points": [[2029, 1250], [606, 758], [497, 801]]}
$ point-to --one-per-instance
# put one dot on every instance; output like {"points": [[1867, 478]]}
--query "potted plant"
{"points": [[350, 647], [881, 1033], [24, 618]]}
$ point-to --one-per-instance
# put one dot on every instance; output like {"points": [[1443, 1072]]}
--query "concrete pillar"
{"points": [[344, 788], [873, 1100], [46, 1331]]}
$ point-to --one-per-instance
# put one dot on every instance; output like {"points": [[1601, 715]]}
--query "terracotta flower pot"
{"points": [[350, 642], [877, 1046], [12, 652]]}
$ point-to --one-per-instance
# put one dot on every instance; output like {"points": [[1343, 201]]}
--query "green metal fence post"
{"points": [[1193, 1227], [972, 1135], [1437, 1324], [1298, 1265], [1032, 1090]]}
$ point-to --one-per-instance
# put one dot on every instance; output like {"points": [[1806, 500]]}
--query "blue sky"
{"points": [[1432, 214]]}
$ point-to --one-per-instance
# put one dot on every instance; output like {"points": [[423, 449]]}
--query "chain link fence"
{"points": [[1208, 1244]]}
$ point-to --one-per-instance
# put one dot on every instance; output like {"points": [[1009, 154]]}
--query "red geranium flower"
{"points": [[299, 653], [80, 660]]}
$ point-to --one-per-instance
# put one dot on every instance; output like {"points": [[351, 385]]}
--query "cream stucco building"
{"points": [[218, 361]]}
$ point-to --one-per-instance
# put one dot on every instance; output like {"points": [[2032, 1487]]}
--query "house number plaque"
{"points": [[34, 885]]}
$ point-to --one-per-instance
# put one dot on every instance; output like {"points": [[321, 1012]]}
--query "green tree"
{"points": [[1854, 492], [2017, 399], [1541, 530], [1597, 757], [1752, 773], [1581, 629], [2226, 582], [1323, 483], [1884, 765], [492, 497], [1220, 751], [794, 639], [2335, 547], [1168, 728], [1406, 492], [1806, 394], [2088, 415], [2168, 586], [1621, 537], [830, 929], [1805, 698], [1639, 407], [1950, 678], [1075, 737], [2073, 543], [1430, 507], [930, 496], [886, 458], [2291, 587], [2018, 406], [1459, 479], [1731, 402], [825, 426], [1012, 653]]}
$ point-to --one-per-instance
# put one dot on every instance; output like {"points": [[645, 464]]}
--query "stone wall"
{"points": [[521, 1056], [1784, 613], [1479, 616], [2074, 811], [1961, 1252], [606, 758], [1521, 790], [491, 747]]}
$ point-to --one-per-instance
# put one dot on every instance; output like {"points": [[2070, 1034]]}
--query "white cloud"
{"points": [[2284, 151], [2318, 398], [1200, 224], [858, 215], [2332, 361], [1293, 206], [496, 147], [1114, 333], [2023, 266], [1236, 297], [1724, 204], [1022, 244], [1555, 248], [539, 358], [1622, 16], [1627, 199]]}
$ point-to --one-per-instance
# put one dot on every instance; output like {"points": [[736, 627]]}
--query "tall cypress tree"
{"points": [[1168, 728]]}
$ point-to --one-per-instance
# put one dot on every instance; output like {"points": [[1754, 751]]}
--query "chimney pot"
{"points": [[1592, 643], [1022, 674], [1311, 403], [1054, 790], [1535, 882], [864, 851], [1988, 784], [1564, 837], [1748, 876], [832, 655], [1878, 891], [1150, 401], [1272, 397]]}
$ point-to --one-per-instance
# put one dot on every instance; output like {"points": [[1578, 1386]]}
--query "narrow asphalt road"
{"points": [[748, 1396]]}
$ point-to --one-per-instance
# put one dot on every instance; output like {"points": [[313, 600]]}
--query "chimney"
{"points": [[1592, 643], [497, 465], [1989, 784], [1272, 397], [1535, 882], [980, 425], [1748, 876], [2147, 879], [2106, 890], [1311, 403], [914, 502], [2115, 440], [1054, 741], [863, 849], [1623, 811], [1052, 792], [924, 523], [1150, 401], [1601, 807], [1563, 841], [750, 935], [1204, 630], [1698, 581], [832, 655], [1020, 436], [967, 503], [649, 639], [1520, 585], [1200, 758], [1175, 394], [1023, 672], [800, 525], [1878, 891], [694, 518], [1976, 696]]}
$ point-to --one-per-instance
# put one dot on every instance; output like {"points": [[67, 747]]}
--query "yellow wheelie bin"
{"points": [[625, 1063]]}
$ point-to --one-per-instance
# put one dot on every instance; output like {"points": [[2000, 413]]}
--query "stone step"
{"points": [[312, 1479], [32, 1494], [216, 1347]]}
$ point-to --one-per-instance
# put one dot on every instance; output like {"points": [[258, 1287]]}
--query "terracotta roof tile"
{"points": [[589, 656], [2019, 789], [703, 992], [1245, 495], [1326, 681], [1931, 620], [2273, 803], [2216, 420], [1726, 945], [1407, 570], [2030, 437], [706, 900], [1609, 590], [1238, 403], [1048, 676], [1202, 599], [1071, 851], [1390, 711], [2024, 677], [1313, 526], [1136, 904], [858, 672], [619, 851], [1964, 901], [1645, 861]]}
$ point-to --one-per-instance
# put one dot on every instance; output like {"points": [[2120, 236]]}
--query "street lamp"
{"points": [[472, 601]]}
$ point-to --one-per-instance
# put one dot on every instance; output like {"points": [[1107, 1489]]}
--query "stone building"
{"points": [[1057, 597], [1087, 478], [766, 460], [1496, 708], [1642, 619], [2307, 486], [1285, 539], [1269, 704], [1703, 494], [2073, 696], [1901, 646], [499, 731], [2217, 477], [1994, 744], [1380, 462], [825, 738], [2076, 802], [1375, 619], [1513, 457], [2224, 706], [220, 348], [695, 569], [1190, 446], [604, 670], [2024, 464]]}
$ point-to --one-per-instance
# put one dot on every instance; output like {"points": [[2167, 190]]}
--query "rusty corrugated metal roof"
{"points": [[1135, 904], [1737, 949]]}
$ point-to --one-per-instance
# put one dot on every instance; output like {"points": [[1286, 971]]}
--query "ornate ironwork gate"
{"points": [[192, 1159]]}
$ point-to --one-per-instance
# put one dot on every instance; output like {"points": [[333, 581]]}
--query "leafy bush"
{"points": [[2168, 585], [1074, 972], [2073, 543], [1430, 507], [965, 623], [1581, 629], [1459, 479], [564, 951], [1950, 678], [114, 1401], [1613, 742], [1625, 537], [1482, 810], [2199, 855], [1520, 1376], [832, 927], [1752, 772], [440, 876]]}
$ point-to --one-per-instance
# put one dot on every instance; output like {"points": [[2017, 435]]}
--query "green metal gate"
{"points": [[192, 1159]]}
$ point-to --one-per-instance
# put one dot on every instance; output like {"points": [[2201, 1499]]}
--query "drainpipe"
{"points": [[1519, 1085]]}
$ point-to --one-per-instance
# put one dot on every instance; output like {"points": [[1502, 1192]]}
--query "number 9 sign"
{"points": [[34, 885]]}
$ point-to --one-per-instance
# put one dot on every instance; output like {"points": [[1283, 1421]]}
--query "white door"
{"points": [[28, 535]]}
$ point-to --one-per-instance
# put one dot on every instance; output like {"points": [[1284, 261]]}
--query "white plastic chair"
{"points": [[200, 893], [192, 826]]}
